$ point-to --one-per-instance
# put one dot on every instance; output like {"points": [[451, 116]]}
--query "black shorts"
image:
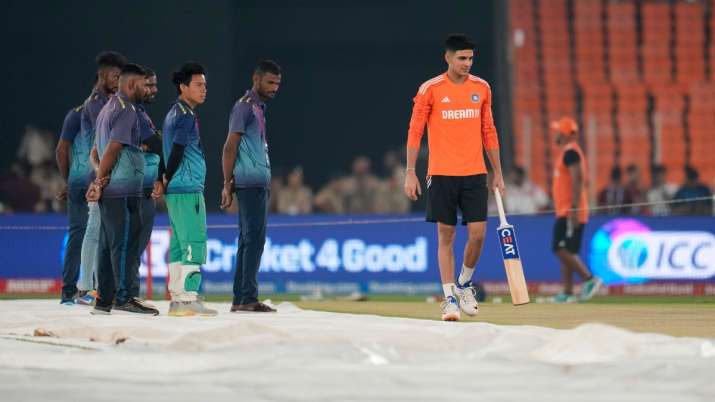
{"points": [[562, 240], [447, 193]]}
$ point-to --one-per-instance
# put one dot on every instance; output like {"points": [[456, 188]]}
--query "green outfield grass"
{"points": [[672, 315], [677, 316]]}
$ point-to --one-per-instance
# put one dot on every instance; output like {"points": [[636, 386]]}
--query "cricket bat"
{"points": [[510, 253]]}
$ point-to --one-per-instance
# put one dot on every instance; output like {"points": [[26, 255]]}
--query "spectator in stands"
{"points": [[296, 198], [331, 199], [390, 161], [634, 187], [389, 198], [360, 187], [17, 192], [277, 185], [659, 192], [48, 180], [523, 197], [615, 193], [692, 188], [37, 147]]}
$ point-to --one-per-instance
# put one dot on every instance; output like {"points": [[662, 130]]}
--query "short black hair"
{"points": [[616, 173], [184, 74], [457, 42], [148, 72], [110, 58], [691, 173], [267, 66], [133, 69], [518, 170]]}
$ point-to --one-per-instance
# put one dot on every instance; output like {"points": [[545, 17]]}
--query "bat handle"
{"points": [[500, 208]]}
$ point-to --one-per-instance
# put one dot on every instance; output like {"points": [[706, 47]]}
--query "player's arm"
{"points": [[573, 161], [100, 181], [412, 183], [176, 155], [490, 141], [241, 117], [119, 136], [106, 164], [63, 149], [228, 160], [62, 156], [153, 145], [94, 158], [420, 112], [577, 183], [495, 162], [175, 158]]}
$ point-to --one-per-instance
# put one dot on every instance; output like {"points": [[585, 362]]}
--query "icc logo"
{"points": [[663, 255], [632, 254], [475, 98], [628, 251]]}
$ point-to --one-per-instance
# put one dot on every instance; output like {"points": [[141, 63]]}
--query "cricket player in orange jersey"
{"points": [[457, 109], [570, 192]]}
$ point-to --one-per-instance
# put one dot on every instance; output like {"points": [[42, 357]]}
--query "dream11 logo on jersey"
{"points": [[628, 251]]}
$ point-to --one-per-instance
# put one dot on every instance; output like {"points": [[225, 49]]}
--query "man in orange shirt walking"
{"points": [[456, 107], [570, 192]]}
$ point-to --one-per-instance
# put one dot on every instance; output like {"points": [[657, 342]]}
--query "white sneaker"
{"points": [[466, 298], [450, 309], [190, 308]]}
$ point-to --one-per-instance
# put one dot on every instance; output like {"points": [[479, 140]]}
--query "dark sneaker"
{"points": [[68, 300], [144, 302], [256, 307], [136, 306], [101, 310]]}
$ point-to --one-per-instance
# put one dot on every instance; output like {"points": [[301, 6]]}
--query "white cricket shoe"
{"points": [[450, 309], [466, 298], [190, 308]]}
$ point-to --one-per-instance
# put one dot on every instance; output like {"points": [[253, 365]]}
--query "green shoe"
{"points": [[590, 287], [564, 298]]}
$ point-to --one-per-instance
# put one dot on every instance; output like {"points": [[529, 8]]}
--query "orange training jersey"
{"points": [[459, 125], [562, 185]]}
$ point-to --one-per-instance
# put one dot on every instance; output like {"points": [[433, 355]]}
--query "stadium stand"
{"points": [[636, 75]]}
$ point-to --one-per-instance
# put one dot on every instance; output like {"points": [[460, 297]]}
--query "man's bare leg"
{"points": [[445, 252], [566, 279], [472, 250], [574, 263]]}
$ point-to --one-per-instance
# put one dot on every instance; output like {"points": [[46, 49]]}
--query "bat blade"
{"points": [[512, 265]]}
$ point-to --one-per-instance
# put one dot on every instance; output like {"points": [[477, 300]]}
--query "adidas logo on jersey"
{"points": [[445, 100], [460, 114]]}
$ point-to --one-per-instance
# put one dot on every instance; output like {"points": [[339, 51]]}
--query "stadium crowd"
{"points": [[32, 181]]}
